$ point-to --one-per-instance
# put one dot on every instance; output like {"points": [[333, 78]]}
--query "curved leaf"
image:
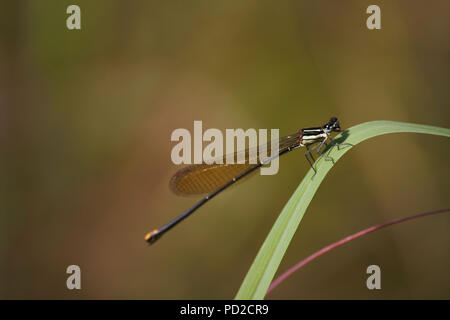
{"points": [[266, 263]]}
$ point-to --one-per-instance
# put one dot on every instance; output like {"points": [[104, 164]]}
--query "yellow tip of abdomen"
{"points": [[148, 235]]}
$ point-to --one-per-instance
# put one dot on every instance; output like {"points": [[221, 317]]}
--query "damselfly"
{"points": [[214, 178]]}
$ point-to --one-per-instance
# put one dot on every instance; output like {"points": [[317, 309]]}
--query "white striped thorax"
{"points": [[311, 135], [318, 134]]}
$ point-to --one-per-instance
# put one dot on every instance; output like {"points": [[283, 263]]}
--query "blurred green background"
{"points": [[86, 118]]}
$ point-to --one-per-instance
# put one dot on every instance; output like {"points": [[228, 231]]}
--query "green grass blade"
{"points": [[269, 257]]}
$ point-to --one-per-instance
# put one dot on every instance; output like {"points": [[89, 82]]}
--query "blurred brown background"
{"points": [[86, 118]]}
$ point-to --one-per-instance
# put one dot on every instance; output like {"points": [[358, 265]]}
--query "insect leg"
{"points": [[323, 154], [311, 159]]}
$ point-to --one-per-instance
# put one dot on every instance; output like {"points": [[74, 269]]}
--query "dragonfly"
{"points": [[212, 179]]}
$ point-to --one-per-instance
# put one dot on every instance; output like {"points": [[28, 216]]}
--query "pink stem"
{"points": [[345, 240]]}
